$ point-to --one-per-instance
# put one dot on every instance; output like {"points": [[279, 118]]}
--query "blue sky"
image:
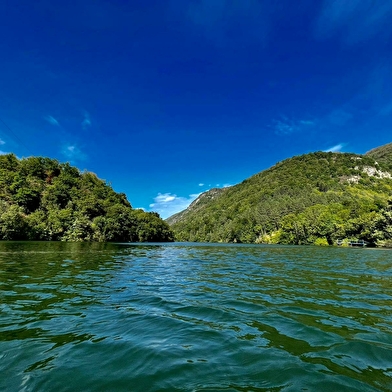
{"points": [[166, 99]]}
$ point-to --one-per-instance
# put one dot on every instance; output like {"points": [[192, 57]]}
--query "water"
{"points": [[178, 317]]}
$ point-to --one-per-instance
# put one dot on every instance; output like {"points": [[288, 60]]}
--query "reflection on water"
{"points": [[194, 317]]}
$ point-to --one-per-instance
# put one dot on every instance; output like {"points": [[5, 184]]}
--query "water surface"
{"points": [[194, 317]]}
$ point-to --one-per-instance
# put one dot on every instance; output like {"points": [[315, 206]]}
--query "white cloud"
{"points": [[201, 184], [86, 121], [166, 198], [167, 204], [51, 120], [336, 148], [355, 20], [73, 153], [2, 142]]}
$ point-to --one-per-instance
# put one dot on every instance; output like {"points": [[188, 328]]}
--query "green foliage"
{"points": [[314, 198], [321, 241], [13, 225], [42, 199]]}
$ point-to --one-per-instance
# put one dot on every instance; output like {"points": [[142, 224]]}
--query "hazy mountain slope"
{"points": [[197, 205], [382, 154], [304, 199]]}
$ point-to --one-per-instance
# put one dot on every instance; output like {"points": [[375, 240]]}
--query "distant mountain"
{"points": [[197, 205], [315, 198], [382, 154], [42, 199]]}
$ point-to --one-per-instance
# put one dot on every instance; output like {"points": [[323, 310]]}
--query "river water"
{"points": [[194, 317]]}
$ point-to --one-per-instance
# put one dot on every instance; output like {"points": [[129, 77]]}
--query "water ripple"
{"points": [[194, 318]]}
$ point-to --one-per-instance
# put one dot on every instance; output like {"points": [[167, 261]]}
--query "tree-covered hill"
{"points": [[314, 198], [42, 199]]}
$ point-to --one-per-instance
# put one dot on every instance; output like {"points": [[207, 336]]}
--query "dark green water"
{"points": [[107, 317]]}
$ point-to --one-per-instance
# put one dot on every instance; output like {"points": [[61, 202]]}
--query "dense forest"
{"points": [[42, 199], [316, 198]]}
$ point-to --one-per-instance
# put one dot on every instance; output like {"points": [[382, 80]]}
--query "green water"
{"points": [[187, 317]]}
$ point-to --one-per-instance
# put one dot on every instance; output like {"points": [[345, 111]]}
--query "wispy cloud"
{"points": [[355, 20], [287, 126], [284, 127], [51, 120], [336, 148], [86, 123], [73, 153], [223, 185], [201, 184], [306, 122], [2, 142], [167, 204]]}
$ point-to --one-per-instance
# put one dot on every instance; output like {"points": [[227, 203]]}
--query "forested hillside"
{"points": [[315, 198], [42, 199]]}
